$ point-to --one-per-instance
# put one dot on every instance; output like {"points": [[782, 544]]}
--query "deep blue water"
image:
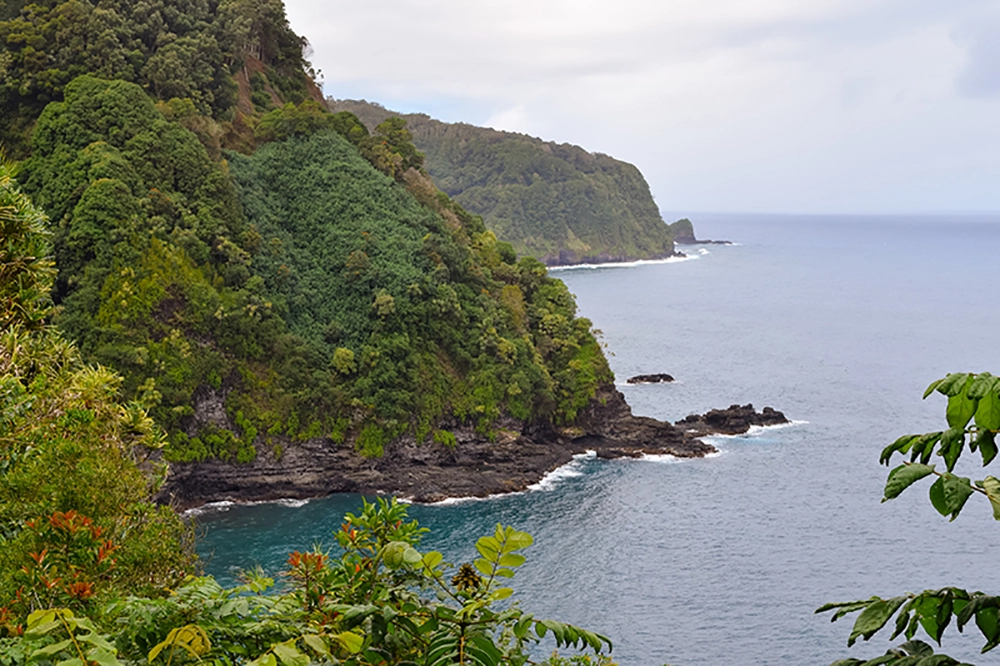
{"points": [[840, 322]]}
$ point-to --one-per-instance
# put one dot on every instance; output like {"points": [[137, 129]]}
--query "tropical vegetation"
{"points": [[381, 601]]}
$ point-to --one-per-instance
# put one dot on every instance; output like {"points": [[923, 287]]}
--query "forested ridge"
{"points": [[556, 202], [312, 284]]}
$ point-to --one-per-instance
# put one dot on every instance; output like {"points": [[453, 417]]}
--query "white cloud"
{"points": [[738, 105]]}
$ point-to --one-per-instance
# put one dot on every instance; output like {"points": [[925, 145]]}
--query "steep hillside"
{"points": [[316, 297], [556, 202]]}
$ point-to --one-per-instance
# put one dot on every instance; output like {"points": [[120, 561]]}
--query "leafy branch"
{"points": [[973, 417]]}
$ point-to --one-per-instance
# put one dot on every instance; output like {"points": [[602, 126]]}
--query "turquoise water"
{"points": [[839, 322]]}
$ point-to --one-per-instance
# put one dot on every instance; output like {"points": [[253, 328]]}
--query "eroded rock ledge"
{"points": [[520, 456]]}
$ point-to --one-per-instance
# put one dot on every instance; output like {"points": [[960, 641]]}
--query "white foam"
{"points": [[703, 251], [568, 471], [225, 505], [757, 430], [463, 500], [660, 458], [667, 458], [625, 264], [211, 507]]}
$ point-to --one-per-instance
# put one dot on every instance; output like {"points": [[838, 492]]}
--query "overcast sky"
{"points": [[782, 106]]}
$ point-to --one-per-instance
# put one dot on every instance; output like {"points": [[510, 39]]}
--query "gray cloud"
{"points": [[752, 105], [981, 75]]}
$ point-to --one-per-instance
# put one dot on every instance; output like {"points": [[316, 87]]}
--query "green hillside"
{"points": [[556, 202], [313, 284]]}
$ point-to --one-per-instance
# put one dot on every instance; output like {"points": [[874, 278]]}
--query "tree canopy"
{"points": [[184, 49]]}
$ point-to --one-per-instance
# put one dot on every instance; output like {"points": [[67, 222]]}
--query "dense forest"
{"points": [[556, 202], [258, 269]]}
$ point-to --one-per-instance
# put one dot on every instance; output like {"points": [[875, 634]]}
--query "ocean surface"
{"points": [[840, 322]]}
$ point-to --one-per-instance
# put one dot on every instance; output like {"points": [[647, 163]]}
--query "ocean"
{"points": [[838, 321]]}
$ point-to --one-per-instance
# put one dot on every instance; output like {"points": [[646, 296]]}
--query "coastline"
{"points": [[519, 457]]}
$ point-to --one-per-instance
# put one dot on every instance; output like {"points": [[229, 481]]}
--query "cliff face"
{"points": [[556, 202], [518, 456]]}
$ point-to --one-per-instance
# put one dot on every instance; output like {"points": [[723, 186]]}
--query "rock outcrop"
{"points": [[683, 233], [657, 378], [735, 420], [519, 456]]}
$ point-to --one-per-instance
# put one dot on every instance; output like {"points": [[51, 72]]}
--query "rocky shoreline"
{"points": [[429, 472], [568, 259]]}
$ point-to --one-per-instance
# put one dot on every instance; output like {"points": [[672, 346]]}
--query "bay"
{"points": [[840, 322]]}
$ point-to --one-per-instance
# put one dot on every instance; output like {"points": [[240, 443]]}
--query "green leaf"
{"points": [[933, 385], [483, 566], [103, 656], [411, 556], [355, 615], [290, 655], [902, 445], [97, 640], [952, 443], [953, 384], [393, 554], [960, 409], [903, 477], [926, 612], [483, 651], [982, 384], [52, 649], [957, 490], [519, 540], [923, 447], [501, 593], [39, 618], [512, 560], [266, 659], [316, 644], [988, 412], [488, 547], [937, 497], [988, 621], [432, 559], [191, 638], [504, 573], [874, 618], [558, 629], [986, 442], [916, 648], [992, 487]]}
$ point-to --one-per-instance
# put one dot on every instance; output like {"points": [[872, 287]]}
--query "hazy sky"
{"points": [[796, 106]]}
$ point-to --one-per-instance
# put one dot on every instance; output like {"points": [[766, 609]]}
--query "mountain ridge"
{"points": [[556, 202]]}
